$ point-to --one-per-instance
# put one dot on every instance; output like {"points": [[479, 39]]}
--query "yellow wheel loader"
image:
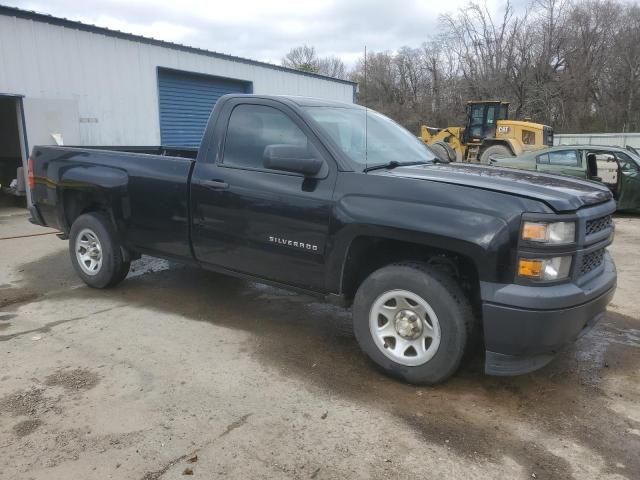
{"points": [[488, 133]]}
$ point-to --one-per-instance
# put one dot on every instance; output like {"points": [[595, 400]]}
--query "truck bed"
{"points": [[146, 188]]}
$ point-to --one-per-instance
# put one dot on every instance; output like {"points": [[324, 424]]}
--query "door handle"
{"points": [[215, 184]]}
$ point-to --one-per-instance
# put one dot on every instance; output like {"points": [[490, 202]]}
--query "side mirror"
{"points": [[291, 158]]}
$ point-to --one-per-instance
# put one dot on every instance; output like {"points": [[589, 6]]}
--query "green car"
{"points": [[618, 168]]}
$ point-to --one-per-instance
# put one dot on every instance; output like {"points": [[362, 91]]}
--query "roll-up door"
{"points": [[186, 101]]}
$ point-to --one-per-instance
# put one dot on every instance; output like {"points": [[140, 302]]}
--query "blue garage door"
{"points": [[186, 101]]}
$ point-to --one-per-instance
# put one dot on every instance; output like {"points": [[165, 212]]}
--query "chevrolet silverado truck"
{"points": [[340, 202]]}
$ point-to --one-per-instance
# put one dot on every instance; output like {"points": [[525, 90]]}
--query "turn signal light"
{"points": [[530, 268], [545, 269]]}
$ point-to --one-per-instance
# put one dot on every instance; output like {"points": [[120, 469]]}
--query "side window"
{"points": [[253, 127], [477, 120], [477, 114], [543, 159], [565, 158], [491, 115], [504, 112], [626, 164], [528, 137]]}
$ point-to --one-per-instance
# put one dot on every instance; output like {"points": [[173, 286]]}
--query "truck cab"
{"points": [[483, 119]]}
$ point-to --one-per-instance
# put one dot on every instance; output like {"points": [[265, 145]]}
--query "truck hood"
{"points": [[561, 193]]}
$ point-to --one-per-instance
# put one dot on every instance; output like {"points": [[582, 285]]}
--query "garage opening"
{"points": [[12, 182], [186, 100]]}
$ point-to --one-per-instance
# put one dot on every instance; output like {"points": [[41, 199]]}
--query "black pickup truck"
{"points": [[340, 202]]}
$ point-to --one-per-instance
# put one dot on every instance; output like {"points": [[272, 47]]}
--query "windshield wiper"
{"points": [[393, 164]]}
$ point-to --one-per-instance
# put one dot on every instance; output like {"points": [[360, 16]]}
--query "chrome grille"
{"points": [[598, 224], [591, 261]]}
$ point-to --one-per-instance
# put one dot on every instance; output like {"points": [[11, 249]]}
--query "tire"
{"points": [[440, 151], [450, 324], [101, 265], [451, 153], [498, 151]]}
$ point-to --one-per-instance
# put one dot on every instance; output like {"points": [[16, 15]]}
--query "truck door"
{"points": [[254, 220], [628, 183]]}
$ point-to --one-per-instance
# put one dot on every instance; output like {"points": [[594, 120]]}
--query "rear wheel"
{"points": [[95, 251], [413, 321], [496, 151]]}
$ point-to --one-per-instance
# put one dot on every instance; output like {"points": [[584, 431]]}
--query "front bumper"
{"points": [[525, 326]]}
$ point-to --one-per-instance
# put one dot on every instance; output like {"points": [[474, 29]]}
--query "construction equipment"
{"points": [[488, 133]]}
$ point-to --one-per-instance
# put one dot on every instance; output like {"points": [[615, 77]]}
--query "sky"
{"points": [[266, 30]]}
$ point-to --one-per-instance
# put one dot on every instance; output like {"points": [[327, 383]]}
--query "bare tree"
{"points": [[306, 59], [481, 44], [623, 76], [332, 67], [302, 58], [573, 64]]}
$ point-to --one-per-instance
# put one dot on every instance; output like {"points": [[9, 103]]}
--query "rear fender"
{"points": [[94, 177], [86, 188]]}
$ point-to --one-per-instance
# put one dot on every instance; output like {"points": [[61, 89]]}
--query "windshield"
{"points": [[386, 140]]}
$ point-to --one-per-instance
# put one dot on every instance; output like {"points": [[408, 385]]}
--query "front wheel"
{"points": [[95, 251], [495, 151], [413, 321], [444, 153]]}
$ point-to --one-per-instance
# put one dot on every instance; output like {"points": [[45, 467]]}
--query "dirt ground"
{"points": [[179, 372]]}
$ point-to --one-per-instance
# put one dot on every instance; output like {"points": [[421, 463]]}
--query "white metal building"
{"points": [[65, 81]]}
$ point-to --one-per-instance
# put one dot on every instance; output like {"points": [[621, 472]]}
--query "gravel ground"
{"points": [[179, 372]]}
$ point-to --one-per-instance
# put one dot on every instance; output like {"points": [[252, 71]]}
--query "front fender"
{"points": [[481, 237]]}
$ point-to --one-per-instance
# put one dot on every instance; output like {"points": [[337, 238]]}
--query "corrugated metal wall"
{"points": [[610, 139], [108, 86], [186, 101]]}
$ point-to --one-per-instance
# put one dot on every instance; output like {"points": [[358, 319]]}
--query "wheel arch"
{"points": [[367, 253], [514, 146], [86, 189]]}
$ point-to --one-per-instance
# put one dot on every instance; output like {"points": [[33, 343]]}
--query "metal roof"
{"points": [[64, 22]]}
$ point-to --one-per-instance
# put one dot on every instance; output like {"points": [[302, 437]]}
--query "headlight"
{"points": [[549, 269], [556, 233]]}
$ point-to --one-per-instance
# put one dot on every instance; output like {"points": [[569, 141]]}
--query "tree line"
{"points": [[574, 65]]}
